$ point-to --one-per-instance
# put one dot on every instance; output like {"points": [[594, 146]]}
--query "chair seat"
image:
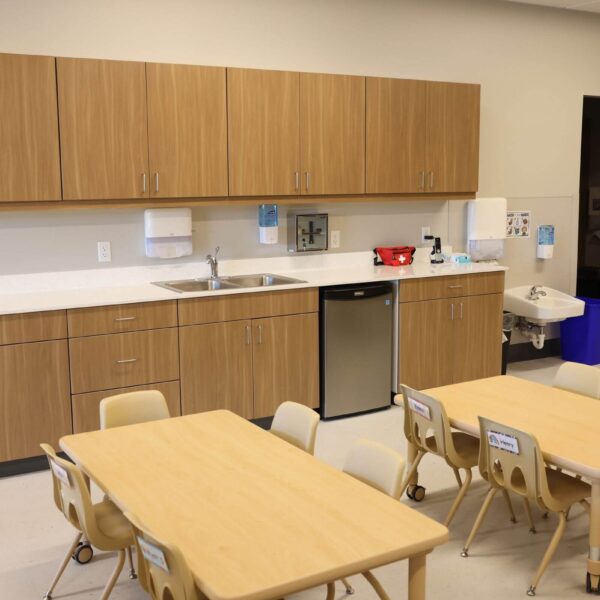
{"points": [[565, 489], [466, 446], [113, 525]]}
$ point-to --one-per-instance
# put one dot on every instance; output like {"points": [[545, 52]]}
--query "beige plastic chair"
{"points": [[132, 408], [513, 461], [382, 468], [577, 378], [164, 573], [102, 524], [427, 427], [296, 424]]}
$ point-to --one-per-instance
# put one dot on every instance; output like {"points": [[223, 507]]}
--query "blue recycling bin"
{"points": [[580, 336]]}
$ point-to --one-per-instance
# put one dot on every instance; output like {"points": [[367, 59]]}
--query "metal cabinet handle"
{"points": [[119, 319], [430, 180], [421, 180], [307, 175], [452, 312], [260, 334], [248, 338], [144, 183], [454, 287], [124, 361], [297, 175], [156, 186], [461, 311]]}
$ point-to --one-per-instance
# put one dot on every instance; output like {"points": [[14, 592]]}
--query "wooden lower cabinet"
{"points": [[34, 397], [216, 367], [450, 340], [86, 412], [286, 362]]}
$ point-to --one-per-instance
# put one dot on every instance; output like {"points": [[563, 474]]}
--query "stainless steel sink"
{"points": [[226, 283], [262, 279]]}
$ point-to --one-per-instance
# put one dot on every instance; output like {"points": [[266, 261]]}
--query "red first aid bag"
{"points": [[394, 256]]}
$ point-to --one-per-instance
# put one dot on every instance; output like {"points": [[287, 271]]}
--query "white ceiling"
{"points": [[583, 5]]}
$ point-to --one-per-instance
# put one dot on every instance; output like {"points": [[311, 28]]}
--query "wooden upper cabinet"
{"points": [[332, 133], [263, 125], [29, 150], [452, 137], [396, 117], [103, 129], [187, 130]]}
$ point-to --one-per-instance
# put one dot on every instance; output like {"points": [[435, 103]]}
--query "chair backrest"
{"points": [[578, 378], [132, 408], [377, 465], [426, 424], [164, 572], [296, 424], [72, 496], [512, 459]]}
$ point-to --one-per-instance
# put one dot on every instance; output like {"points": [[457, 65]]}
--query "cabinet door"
{"points": [[263, 126], [452, 147], [216, 367], [29, 154], [103, 129], [34, 397], [395, 135], [477, 340], [187, 130], [425, 353], [332, 133], [286, 362]]}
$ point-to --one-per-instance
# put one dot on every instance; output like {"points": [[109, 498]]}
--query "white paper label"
{"points": [[503, 441], [61, 473], [419, 408], [153, 554]]}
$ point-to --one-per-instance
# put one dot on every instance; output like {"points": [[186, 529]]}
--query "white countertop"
{"points": [[101, 287]]}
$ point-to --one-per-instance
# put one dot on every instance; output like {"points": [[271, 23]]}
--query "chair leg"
{"points": [[63, 565], [532, 528], [132, 573], [458, 479], [562, 522], [412, 471], [330, 591], [349, 588], [459, 498], [509, 505], [376, 585], [114, 576], [479, 520]]}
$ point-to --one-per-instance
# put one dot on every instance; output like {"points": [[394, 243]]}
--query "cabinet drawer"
{"points": [[33, 327], [124, 359], [86, 411], [451, 286], [247, 306], [121, 318]]}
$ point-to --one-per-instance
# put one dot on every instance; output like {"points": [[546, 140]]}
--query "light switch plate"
{"points": [[104, 254], [334, 240]]}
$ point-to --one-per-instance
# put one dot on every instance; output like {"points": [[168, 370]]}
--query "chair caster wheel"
{"points": [[83, 554], [588, 586], [465, 553], [531, 591], [513, 520], [416, 492], [47, 597], [532, 530], [349, 591], [132, 575]]}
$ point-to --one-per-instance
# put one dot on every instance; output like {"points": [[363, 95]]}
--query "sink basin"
{"points": [[262, 279], [226, 283], [195, 285], [554, 306]]}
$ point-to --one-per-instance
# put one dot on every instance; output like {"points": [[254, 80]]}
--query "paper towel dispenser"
{"points": [[168, 232], [486, 228]]}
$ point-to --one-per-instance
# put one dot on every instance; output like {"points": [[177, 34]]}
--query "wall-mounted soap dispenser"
{"points": [[307, 233], [268, 224], [545, 241]]}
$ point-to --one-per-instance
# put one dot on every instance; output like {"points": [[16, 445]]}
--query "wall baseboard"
{"points": [[526, 351]]}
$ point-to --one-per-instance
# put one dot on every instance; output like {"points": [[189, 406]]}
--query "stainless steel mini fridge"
{"points": [[356, 328]]}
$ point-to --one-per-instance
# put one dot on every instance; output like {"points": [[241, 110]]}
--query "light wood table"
{"points": [[567, 426], [255, 517]]}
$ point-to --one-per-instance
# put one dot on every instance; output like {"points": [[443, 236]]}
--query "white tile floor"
{"points": [[34, 536]]}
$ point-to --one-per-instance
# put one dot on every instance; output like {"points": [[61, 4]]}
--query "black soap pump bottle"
{"points": [[435, 257]]}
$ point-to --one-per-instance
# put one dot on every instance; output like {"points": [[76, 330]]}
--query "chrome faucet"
{"points": [[535, 292], [214, 263]]}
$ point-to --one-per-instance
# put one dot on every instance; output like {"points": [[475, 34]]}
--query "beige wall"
{"points": [[534, 64]]}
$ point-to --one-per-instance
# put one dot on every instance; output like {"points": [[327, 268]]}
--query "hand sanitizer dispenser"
{"points": [[168, 232], [545, 241], [268, 224]]}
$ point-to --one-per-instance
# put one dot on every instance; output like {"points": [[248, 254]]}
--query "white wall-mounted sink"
{"points": [[549, 308]]}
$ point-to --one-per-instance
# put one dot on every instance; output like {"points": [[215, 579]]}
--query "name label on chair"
{"points": [[419, 408], [61, 473], [153, 554], [502, 441]]}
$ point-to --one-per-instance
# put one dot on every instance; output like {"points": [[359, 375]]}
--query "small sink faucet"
{"points": [[211, 259], [535, 292]]}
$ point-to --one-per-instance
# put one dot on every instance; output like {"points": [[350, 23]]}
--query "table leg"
{"points": [[416, 577], [593, 563]]}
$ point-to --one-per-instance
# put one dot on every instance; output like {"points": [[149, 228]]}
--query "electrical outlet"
{"points": [[335, 238], [104, 252], [425, 231]]}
